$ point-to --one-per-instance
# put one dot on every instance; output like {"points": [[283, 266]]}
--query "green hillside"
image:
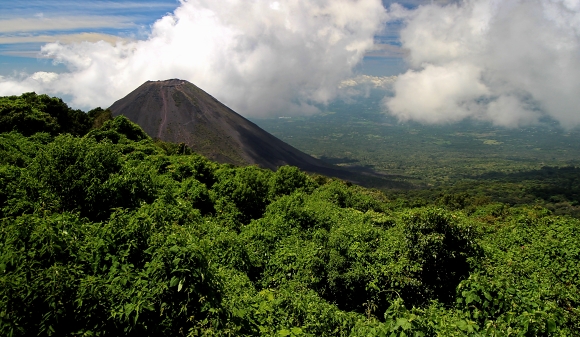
{"points": [[105, 232]]}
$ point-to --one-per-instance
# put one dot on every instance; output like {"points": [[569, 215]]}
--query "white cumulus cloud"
{"points": [[259, 57], [506, 61]]}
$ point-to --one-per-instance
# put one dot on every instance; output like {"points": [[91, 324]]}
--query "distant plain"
{"points": [[533, 164]]}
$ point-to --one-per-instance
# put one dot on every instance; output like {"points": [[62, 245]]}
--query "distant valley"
{"points": [[532, 165], [361, 134]]}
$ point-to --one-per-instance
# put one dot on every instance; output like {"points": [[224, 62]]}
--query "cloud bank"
{"points": [[259, 57], [505, 61]]}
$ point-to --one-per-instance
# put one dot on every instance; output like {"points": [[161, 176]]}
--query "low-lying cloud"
{"points": [[510, 62], [384, 82], [259, 57], [352, 89]]}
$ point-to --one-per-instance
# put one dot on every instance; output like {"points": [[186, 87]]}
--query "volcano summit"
{"points": [[178, 111]]}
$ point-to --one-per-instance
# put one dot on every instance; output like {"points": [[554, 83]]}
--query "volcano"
{"points": [[177, 111]]}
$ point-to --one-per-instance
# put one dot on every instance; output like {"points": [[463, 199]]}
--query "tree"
{"points": [[31, 113]]}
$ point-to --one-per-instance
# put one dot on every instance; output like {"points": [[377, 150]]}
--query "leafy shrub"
{"points": [[99, 116], [9, 177], [288, 179], [342, 195], [125, 127], [118, 130], [79, 174], [196, 193], [441, 245], [530, 281], [69, 175], [241, 191], [193, 166], [31, 113], [173, 149], [138, 275], [18, 150]]}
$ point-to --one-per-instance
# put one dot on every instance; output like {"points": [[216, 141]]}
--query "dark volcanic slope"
{"points": [[178, 111]]}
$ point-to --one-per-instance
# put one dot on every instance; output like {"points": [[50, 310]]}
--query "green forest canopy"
{"points": [[105, 231]]}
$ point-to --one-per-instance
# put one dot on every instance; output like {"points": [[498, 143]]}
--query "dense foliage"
{"points": [[112, 233]]}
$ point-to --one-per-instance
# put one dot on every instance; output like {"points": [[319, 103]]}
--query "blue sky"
{"points": [[27, 25]]}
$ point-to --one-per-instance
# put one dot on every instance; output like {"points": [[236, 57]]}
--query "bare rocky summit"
{"points": [[178, 111]]}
